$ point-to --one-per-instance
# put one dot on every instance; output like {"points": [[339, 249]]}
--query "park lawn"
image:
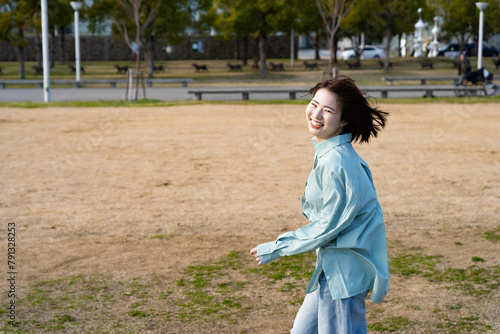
{"points": [[218, 73]]}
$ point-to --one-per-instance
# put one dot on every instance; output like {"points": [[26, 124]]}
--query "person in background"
{"points": [[463, 68], [346, 225]]}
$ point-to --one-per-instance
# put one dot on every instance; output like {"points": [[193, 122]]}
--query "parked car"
{"points": [[452, 50], [369, 52]]}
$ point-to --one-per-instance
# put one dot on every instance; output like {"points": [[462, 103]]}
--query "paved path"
{"points": [[158, 93]]}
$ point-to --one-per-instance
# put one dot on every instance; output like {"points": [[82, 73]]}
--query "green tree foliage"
{"points": [[60, 15], [258, 18], [379, 19], [309, 21], [154, 20], [332, 12], [461, 19], [17, 17]]}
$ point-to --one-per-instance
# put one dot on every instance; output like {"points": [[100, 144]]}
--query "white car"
{"points": [[369, 52]]}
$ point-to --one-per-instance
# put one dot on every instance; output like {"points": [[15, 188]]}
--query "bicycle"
{"points": [[479, 78]]}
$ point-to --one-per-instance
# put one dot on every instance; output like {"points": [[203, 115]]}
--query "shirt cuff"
{"points": [[265, 252]]}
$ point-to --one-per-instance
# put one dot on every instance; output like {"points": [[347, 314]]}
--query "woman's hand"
{"points": [[253, 252]]}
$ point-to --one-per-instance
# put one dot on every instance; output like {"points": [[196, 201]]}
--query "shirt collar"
{"points": [[326, 145]]}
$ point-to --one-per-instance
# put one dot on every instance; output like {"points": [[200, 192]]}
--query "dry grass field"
{"points": [[139, 220]]}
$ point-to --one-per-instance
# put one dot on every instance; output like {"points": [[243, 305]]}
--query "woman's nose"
{"points": [[317, 113]]}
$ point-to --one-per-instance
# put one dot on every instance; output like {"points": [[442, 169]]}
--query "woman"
{"points": [[346, 223]]}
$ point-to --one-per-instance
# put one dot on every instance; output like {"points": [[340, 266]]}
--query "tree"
{"points": [[332, 12], [60, 16], [379, 19], [15, 18], [461, 19], [309, 21], [259, 18], [141, 22]]}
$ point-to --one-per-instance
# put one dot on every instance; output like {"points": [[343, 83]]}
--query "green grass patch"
{"points": [[414, 264], [464, 325], [299, 267], [472, 280], [493, 236], [137, 313], [391, 324]]}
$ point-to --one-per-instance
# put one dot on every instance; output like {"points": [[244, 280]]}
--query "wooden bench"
{"points": [[496, 62], [428, 90], [245, 92], [423, 80], [427, 64], [353, 64], [277, 67], [111, 82], [310, 66]]}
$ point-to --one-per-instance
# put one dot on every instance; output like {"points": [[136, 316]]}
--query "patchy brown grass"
{"points": [[140, 220]]}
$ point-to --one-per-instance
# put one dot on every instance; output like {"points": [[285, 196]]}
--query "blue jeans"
{"points": [[320, 314]]}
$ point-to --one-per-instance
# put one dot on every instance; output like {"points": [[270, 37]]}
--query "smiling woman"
{"points": [[346, 225]]}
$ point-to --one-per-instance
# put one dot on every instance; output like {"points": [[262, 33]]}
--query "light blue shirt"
{"points": [[346, 225]]}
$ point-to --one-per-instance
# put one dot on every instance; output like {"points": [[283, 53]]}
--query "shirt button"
{"points": [[327, 277]]}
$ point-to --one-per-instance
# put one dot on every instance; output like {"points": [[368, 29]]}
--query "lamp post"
{"points": [[419, 40], [45, 52], [482, 6], [76, 5]]}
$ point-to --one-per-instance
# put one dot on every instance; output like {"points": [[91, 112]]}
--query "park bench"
{"points": [[111, 82], [38, 69], [73, 69], [234, 68], [121, 69], [496, 62], [200, 68], [427, 64], [353, 64], [382, 64], [158, 68], [423, 80], [310, 66], [245, 92], [428, 90], [276, 67]]}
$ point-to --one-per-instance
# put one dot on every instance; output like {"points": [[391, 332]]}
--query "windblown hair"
{"points": [[363, 120]]}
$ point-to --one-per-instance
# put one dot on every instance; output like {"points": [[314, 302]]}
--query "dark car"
{"points": [[452, 50]]}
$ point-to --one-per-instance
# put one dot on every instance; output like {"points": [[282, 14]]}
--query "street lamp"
{"points": [[76, 5], [482, 6]]}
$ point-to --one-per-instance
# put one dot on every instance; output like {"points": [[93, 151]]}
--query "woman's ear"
{"points": [[343, 123]]}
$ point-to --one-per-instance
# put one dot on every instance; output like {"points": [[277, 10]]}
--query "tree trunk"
{"points": [[246, 40], [63, 40], [20, 54], [39, 50], [388, 36], [237, 54], [335, 48], [262, 52], [332, 55], [150, 56], [317, 46], [53, 49]]}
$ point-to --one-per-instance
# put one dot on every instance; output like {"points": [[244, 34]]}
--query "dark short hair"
{"points": [[363, 120]]}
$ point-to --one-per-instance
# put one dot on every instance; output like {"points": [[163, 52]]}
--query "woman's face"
{"points": [[324, 116]]}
